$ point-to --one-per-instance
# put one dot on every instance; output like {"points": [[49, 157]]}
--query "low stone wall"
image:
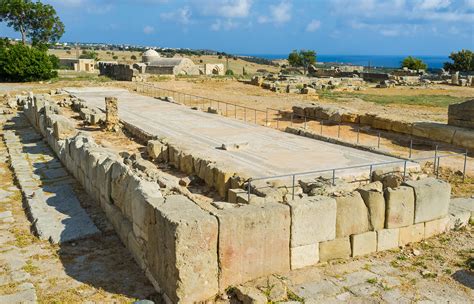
{"points": [[462, 114], [124, 72], [191, 252], [454, 135]]}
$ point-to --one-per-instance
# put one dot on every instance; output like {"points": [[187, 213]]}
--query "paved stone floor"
{"points": [[95, 269], [269, 151]]}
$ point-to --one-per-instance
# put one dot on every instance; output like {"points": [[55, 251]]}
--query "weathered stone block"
{"points": [[254, 241], [434, 131], [233, 195], [364, 243], [375, 202], [432, 197], [145, 199], [222, 180], [303, 256], [313, 220], [155, 149], [388, 239], [352, 215], [436, 227], [63, 128], [182, 250], [412, 234], [335, 249], [400, 207]]}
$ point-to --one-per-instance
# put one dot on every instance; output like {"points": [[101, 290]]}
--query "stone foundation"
{"points": [[191, 254]]}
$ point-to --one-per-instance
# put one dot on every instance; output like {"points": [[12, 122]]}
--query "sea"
{"points": [[385, 61]]}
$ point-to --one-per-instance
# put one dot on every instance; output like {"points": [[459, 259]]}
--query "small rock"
{"points": [[416, 252]]}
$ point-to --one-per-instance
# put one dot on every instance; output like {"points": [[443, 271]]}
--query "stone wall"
{"points": [[123, 72], [192, 252], [462, 114], [455, 135]]}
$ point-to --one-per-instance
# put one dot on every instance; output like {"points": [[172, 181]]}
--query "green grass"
{"points": [[421, 100]]}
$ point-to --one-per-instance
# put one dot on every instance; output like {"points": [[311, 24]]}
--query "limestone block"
{"points": [[111, 113], [103, 176], [388, 239], [182, 250], [375, 202], [303, 256], [352, 215], [313, 220], [432, 197], [436, 227], [466, 204], [210, 171], [382, 123], [155, 150], [459, 215], [411, 234], [63, 128], [233, 194], [145, 199], [254, 241], [402, 127], [464, 138], [117, 182], [222, 180], [367, 119], [335, 249], [137, 250], [400, 207], [186, 163], [364, 243], [434, 131]]}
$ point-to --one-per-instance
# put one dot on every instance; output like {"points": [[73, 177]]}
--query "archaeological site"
{"points": [[146, 174]]}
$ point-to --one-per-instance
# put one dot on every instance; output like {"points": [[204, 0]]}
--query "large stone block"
{"points": [[412, 234], [388, 239], [374, 200], [434, 131], [63, 128], [335, 249], [464, 138], [400, 207], [436, 227], [222, 180], [313, 220], [156, 150], [254, 241], [182, 250], [352, 215], [364, 243], [432, 197], [304, 256], [145, 199]]}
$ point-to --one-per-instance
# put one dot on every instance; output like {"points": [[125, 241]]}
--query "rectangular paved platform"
{"points": [[269, 151]]}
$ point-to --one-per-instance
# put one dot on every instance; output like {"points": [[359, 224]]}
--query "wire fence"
{"points": [[403, 146]]}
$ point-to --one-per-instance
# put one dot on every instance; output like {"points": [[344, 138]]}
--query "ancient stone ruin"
{"points": [[462, 114]]}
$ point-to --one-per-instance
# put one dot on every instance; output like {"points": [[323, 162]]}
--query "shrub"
{"points": [[21, 63], [229, 73], [133, 57], [115, 57]]}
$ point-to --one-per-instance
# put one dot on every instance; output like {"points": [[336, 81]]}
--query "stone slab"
{"points": [[313, 220], [336, 249], [364, 243], [436, 227], [388, 239], [352, 215], [304, 256], [254, 241], [400, 207], [412, 234], [432, 197]]}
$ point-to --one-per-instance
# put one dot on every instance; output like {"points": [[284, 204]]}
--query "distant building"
{"points": [[78, 65], [213, 69]]}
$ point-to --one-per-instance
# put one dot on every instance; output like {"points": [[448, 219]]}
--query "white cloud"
{"points": [[433, 4], [224, 8], [279, 14], [181, 15], [313, 26], [227, 25], [148, 29]]}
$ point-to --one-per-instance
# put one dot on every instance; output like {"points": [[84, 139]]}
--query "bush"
{"points": [[413, 63], [89, 55], [21, 63], [229, 73], [115, 57], [133, 57]]}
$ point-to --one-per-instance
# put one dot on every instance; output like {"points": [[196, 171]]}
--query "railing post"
{"points": [[411, 147], [435, 157], [278, 121], [358, 134], [293, 193], [437, 167], [226, 111], [245, 114], [248, 191], [404, 170], [255, 116], [322, 123], [305, 122], [333, 177], [266, 117], [235, 110], [370, 175], [339, 130], [465, 166], [378, 141]]}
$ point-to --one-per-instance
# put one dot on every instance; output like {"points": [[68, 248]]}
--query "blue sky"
{"points": [[368, 27]]}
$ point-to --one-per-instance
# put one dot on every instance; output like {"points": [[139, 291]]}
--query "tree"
{"points": [[33, 20], [302, 58], [19, 63], [462, 61], [413, 63], [89, 55]]}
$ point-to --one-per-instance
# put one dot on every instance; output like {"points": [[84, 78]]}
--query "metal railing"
{"points": [[371, 166]]}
